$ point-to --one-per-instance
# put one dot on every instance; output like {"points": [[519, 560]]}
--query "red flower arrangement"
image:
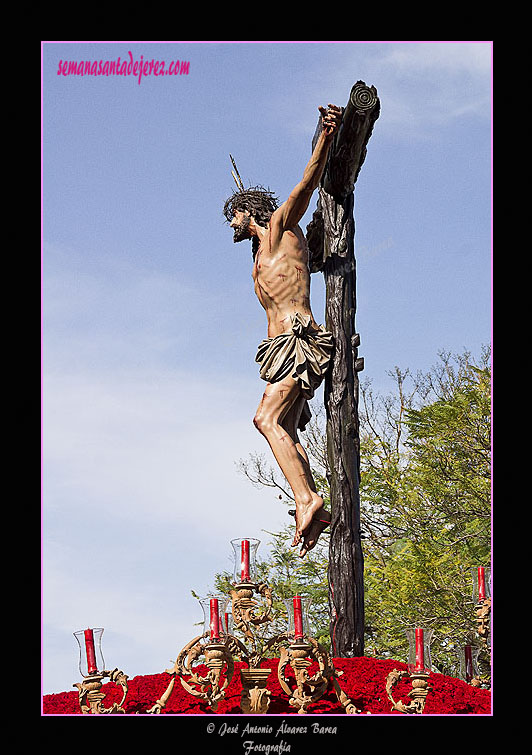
{"points": [[363, 680]]}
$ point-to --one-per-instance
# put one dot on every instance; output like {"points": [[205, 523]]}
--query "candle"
{"points": [[468, 663], [244, 563], [481, 585], [226, 622], [298, 619], [91, 654], [215, 619], [420, 665]]}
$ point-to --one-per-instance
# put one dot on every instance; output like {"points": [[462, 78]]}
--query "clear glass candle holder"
{"points": [[90, 651], [481, 576], [297, 609], [245, 559], [419, 640], [214, 617], [469, 662]]}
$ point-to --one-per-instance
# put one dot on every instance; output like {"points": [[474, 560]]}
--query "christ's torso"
{"points": [[282, 279]]}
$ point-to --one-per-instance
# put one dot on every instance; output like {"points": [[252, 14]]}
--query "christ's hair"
{"points": [[258, 201]]}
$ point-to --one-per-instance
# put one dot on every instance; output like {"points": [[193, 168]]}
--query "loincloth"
{"points": [[303, 353]]}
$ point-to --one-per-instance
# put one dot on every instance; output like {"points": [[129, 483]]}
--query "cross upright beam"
{"points": [[330, 237]]}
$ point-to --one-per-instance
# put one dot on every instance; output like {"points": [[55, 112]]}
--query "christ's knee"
{"points": [[264, 423]]}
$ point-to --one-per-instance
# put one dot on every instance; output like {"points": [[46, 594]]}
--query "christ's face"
{"points": [[240, 223]]}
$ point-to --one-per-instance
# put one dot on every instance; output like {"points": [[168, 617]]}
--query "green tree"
{"points": [[426, 500]]}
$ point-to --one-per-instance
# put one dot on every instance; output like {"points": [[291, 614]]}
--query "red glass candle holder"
{"points": [[245, 559], [297, 609], [214, 615], [91, 660], [419, 639], [468, 662], [481, 576]]}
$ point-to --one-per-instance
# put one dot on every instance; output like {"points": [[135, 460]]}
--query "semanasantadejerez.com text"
{"points": [[118, 67]]}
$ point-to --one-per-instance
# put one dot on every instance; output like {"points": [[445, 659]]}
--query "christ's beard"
{"points": [[242, 231]]}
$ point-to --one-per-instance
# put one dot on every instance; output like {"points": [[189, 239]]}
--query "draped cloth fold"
{"points": [[303, 353]]}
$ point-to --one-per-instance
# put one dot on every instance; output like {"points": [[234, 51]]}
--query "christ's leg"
{"points": [[322, 517], [278, 400], [290, 422]]}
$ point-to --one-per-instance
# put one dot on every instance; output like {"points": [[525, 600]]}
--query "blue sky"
{"points": [[150, 324]]}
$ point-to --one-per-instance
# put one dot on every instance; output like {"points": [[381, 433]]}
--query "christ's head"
{"points": [[250, 206]]}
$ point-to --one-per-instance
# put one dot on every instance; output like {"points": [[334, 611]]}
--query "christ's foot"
{"points": [[320, 522], [311, 532], [304, 516]]}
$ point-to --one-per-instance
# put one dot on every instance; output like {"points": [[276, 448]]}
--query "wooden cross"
{"points": [[330, 237]]}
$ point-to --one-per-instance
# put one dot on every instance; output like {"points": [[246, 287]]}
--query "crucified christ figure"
{"points": [[296, 354]]}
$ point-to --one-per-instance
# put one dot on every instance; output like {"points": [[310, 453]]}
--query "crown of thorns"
{"points": [[260, 202]]}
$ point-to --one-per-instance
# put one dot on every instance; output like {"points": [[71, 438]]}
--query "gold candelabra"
{"points": [[308, 689], [419, 665], [252, 609], [92, 668], [481, 577], [91, 697], [211, 687], [483, 617], [418, 693]]}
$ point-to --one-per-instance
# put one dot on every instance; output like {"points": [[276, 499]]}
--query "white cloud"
{"points": [[422, 86], [425, 85], [146, 443], [114, 311], [453, 58]]}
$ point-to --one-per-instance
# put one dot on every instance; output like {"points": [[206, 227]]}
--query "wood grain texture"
{"points": [[330, 237]]}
